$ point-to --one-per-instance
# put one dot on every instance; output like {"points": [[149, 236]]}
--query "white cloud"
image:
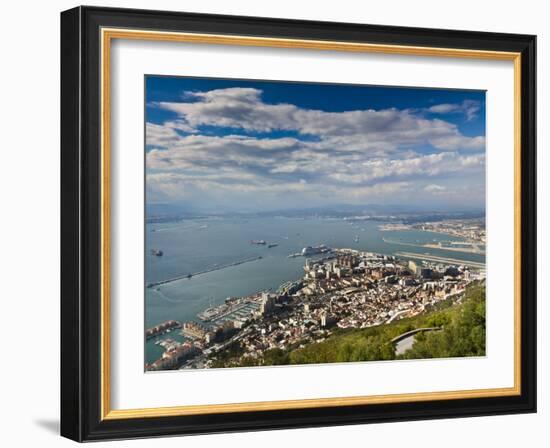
{"points": [[210, 151], [417, 167], [277, 166], [166, 134], [386, 129], [434, 188], [470, 108], [160, 135], [353, 156]]}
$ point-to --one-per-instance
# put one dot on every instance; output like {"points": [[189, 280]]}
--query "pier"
{"points": [[194, 274]]}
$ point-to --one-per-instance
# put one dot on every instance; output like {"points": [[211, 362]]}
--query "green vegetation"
{"points": [[230, 357], [462, 334]]}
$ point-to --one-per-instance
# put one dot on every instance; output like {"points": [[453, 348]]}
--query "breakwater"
{"points": [[205, 271]]}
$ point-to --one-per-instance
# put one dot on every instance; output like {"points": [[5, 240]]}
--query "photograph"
{"points": [[291, 223]]}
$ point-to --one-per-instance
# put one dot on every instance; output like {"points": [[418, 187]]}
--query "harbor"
{"points": [[230, 310], [220, 249], [356, 289]]}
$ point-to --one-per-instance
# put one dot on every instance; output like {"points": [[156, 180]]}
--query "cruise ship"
{"points": [[314, 250]]}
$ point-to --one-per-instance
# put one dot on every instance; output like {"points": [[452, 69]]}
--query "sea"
{"points": [[196, 245]]}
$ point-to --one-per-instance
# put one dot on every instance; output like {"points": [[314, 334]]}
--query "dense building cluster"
{"points": [[343, 289], [174, 356]]}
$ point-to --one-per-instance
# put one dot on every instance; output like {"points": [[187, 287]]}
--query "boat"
{"points": [[314, 250], [259, 242], [269, 246], [356, 239], [157, 252]]}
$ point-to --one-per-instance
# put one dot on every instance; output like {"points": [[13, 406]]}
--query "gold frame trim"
{"points": [[107, 35]]}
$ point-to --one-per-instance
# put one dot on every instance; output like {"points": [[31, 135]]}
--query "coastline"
{"points": [[435, 246], [259, 308], [184, 299]]}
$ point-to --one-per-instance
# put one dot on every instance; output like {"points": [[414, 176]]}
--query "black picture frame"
{"points": [[81, 224]]}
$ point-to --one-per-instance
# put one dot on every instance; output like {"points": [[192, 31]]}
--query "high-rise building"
{"points": [[267, 304]]}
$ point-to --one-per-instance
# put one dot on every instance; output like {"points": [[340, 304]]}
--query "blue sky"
{"points": [[237, 145]]}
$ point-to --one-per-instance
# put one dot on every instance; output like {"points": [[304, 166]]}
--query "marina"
{"points": [[228, 310]]}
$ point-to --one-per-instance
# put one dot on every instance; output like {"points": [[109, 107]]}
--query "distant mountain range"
{"points": [[409, 214]]}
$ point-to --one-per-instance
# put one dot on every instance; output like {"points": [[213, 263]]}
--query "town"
{"points": [[343, 288], [472, 230]]}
